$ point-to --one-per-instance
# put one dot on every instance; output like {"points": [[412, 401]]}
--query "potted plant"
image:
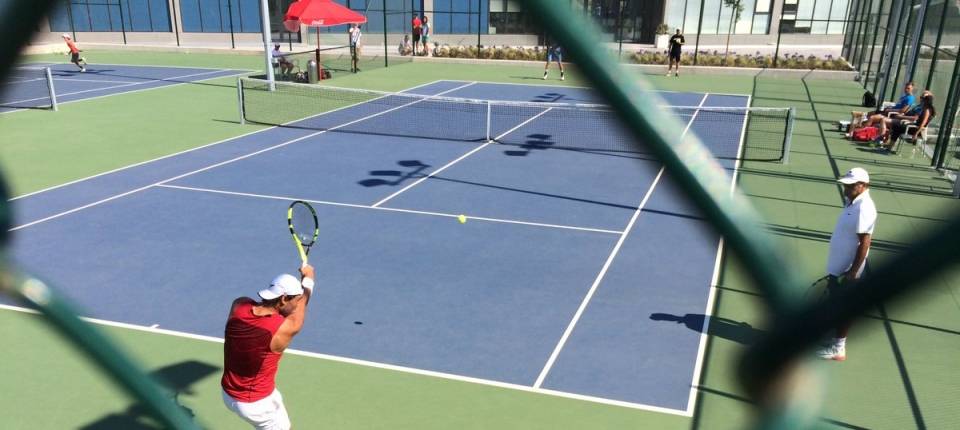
{"points": [[663, 36]]}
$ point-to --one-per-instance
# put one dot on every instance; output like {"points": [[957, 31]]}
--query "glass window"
{"points": [[111, 15], [761, 24], [711, 16], [220, 16], [838, 15], [690, 24], [763, 6], [675, 10]]}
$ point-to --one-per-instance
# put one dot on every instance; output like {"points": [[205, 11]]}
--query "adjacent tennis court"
{"points": [[559, 282], [44, 85]]}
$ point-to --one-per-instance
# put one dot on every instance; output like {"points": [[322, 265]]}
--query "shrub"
{"points": [[714, 58]]}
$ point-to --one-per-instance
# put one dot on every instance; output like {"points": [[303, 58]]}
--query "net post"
{"points": [[788, 135], [489, 138], [240, 100], [50, 89]]}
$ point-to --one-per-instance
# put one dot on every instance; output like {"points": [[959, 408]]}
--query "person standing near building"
{"points": [[355, 35], [554, 53], [417, 27], [676, 43], [255, 336], [425, 35], [849, 246]]}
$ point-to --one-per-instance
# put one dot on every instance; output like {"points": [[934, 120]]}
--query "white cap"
{"points": [[282, 285], [854, 175], [65, 35]]}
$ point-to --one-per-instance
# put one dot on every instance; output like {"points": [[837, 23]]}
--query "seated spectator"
{"points": [[920, 115], [280, 61], [906, 101], [405, 47]]}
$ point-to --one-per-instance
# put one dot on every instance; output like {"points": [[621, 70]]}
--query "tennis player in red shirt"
{"points": [[75, 57], [255, 337]]}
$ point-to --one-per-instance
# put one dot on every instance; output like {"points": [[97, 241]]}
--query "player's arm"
{"points": [[294, 322], [861, 256]]}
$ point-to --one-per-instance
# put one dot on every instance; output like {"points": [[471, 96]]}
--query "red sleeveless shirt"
{"points": [[249, 366]]}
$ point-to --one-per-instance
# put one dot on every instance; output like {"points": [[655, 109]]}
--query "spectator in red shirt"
{"points": [[255, 337], [417, 27]]}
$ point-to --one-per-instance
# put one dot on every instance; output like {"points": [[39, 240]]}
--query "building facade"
{"points": [[186, 22]]}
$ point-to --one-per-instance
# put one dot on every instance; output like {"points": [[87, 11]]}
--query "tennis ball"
{"points": [[461, 218]]}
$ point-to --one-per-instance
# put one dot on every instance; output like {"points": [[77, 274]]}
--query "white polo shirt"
{"points": [[859, 217]]}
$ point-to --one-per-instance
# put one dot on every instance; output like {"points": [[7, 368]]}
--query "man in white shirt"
{"points": [[849, 246], [355, 35]]}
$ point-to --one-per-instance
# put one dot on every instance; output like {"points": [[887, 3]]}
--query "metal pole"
{"points": [[176, 30], [240, 100], [265, 31], [50, 89], [123, 29], [947, 123], [233, 42], [788, 139], [620, 31], [73, 28], [936, 46], [917, 35], [776, 51], [890, 45], [873, 48], [479, 6], [696, 46], [386, 63]]}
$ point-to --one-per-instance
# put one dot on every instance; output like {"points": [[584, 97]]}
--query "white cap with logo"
{"points": [[855, 175], [282, 285]]}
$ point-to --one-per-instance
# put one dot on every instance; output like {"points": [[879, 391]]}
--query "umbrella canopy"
{"points": [[319, 13]]}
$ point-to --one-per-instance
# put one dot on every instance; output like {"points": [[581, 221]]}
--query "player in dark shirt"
{"points": [[676, 42]]}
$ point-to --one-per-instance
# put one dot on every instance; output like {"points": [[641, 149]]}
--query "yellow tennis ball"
{"points": [[462, 218]]}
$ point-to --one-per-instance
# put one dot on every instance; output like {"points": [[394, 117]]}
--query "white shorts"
{"points": [[267, 413]]}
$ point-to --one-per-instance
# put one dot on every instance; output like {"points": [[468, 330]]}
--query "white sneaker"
{"points": [[833, 352], [544, 76], [668, 74], [561, 77], [83, 69]]}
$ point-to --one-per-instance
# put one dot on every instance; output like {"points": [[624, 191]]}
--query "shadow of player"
{"points": [[176, 378], [414, 170], [534, 142], [724, 328]]}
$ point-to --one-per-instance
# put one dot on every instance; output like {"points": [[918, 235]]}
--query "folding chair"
{"points": [[917, 143]]}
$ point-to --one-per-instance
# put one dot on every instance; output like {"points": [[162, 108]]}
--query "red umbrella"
{"points": [[319, 13]]}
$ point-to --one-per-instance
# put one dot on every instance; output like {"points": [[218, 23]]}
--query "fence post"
{"points": [[233, 42], [776, 50], [696, 45], [123, 27], [386, 63]]}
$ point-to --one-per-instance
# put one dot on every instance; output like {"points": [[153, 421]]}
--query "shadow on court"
{"points": [[177, 378], [740, 332]]}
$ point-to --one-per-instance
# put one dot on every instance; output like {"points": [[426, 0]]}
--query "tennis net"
{"points": [[29, 88], [731, 132]]}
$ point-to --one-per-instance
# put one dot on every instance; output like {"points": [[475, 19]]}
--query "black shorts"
{"points": [[416, 37], [74, 57], [675, 55]]}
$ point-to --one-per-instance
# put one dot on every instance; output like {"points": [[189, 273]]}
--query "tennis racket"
{"points": [[817, 291], [302, 220]]}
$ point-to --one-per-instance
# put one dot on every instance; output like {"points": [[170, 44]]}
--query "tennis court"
{"points": [[43, 85], [557, 283]]}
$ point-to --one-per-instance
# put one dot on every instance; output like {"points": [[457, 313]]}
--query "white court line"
{"points": [[432, 174], [101, 81], [606, 265], [22, 81], [410, 211], [280, 145], [587, 88], [383, 366], [714, 283], [161, 66], [192, 149], [129, 84]]}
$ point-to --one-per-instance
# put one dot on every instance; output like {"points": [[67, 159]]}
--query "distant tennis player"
{"points": [[255, 337], [676, 44], [554, 53], [75, 57]]}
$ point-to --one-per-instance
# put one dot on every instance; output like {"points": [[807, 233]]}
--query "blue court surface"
{"points": [[567, 279], [27, 87]]}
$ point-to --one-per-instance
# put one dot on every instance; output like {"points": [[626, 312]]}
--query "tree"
{"points": [[736, 7]]}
